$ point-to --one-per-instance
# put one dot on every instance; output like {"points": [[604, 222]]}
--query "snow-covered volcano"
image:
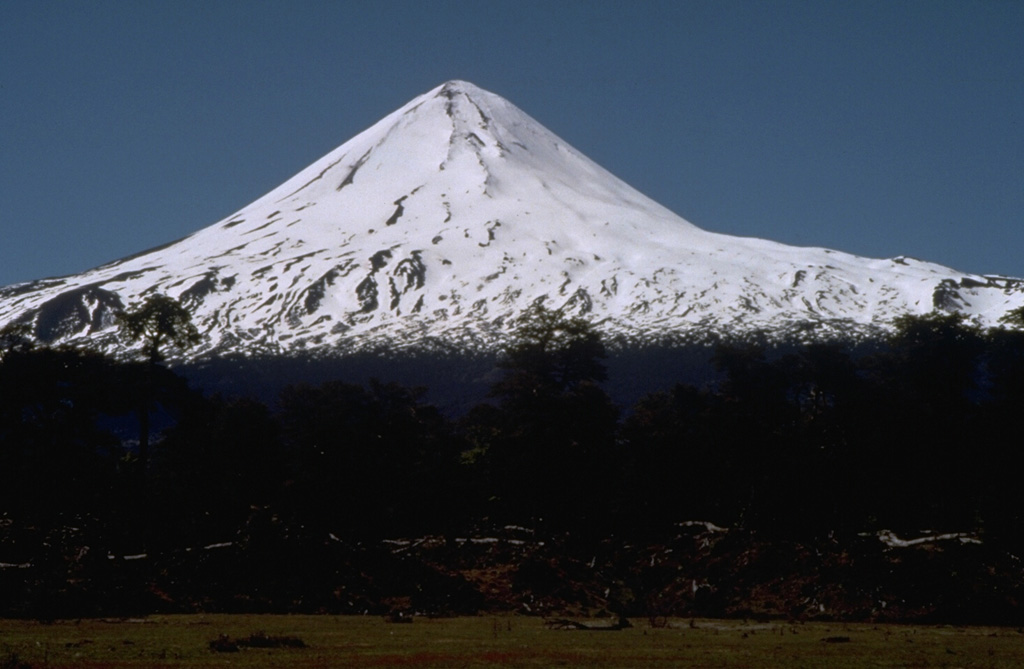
{"points": [[449, 217]]}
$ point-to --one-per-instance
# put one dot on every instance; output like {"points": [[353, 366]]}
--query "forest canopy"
{"points": [[803, 443]]}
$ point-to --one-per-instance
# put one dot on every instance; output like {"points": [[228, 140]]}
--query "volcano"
{"points": [[439, 225]]}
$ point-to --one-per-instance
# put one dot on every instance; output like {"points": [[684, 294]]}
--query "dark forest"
{"points": [[102, 459]]}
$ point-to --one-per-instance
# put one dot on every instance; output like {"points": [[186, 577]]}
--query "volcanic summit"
{"points": [[441, 223]]}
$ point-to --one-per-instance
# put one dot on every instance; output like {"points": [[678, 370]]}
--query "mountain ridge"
{"points": [[444, 221]]}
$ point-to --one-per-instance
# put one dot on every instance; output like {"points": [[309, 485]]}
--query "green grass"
{"points": [[332, 641]]}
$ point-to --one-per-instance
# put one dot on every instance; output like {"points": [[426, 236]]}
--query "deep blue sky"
{"points": [[878, 128]]}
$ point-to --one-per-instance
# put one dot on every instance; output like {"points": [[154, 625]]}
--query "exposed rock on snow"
{"points": [[444, 221]]}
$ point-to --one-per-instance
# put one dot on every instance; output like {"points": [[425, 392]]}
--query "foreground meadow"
{"points": [[348, 641]]}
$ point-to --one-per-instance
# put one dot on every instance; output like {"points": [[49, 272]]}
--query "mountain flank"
{"points": [[439, 226]]}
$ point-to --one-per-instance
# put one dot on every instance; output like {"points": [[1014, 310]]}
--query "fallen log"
{"points": [[566, 624]]}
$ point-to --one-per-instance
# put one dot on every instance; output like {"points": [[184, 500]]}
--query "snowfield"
{"points": [[443, 222]]}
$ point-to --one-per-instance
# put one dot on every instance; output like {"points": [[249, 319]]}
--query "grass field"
{"points": [[331, 641]]}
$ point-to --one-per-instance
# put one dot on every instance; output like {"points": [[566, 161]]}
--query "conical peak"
{"points": [[454, 139], [471, 107], [451, 215], [465, 102]]}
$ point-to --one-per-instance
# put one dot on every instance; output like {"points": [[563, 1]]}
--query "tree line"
{"points": [[809, 441]]}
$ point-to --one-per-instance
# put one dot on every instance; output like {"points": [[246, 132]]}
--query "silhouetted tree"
{"points": [[550, 451], [936, 357], [550, 353], [931, 378], [160, 322], [752, 423], [826, 454], [1005, 361]]}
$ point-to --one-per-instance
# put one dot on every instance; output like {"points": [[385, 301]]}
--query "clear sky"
{"points": [[879, 128]]}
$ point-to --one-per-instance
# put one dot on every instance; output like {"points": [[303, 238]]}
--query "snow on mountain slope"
{"points": [[446, 219]]}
